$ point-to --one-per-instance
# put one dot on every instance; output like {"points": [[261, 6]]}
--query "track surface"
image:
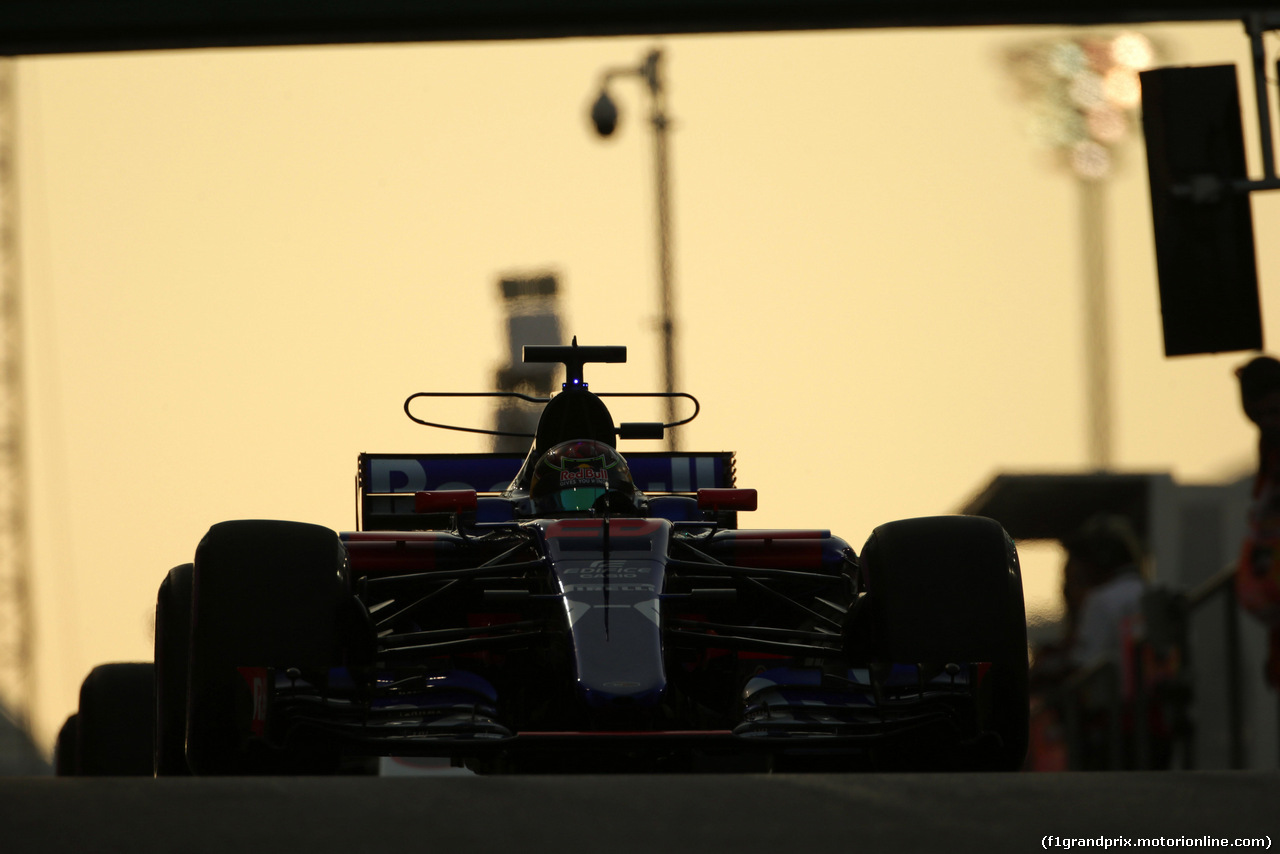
{"points": [[668, 814]]}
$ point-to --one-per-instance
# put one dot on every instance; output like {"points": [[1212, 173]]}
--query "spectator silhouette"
{"points": [[1103, 582], [1258, 571]]}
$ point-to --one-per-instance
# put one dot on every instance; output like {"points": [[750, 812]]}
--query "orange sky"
{"points": [[239, 263]]}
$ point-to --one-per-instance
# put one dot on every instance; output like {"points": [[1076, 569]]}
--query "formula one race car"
{"points": [[574, 610]]}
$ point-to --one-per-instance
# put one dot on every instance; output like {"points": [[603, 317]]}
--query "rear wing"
{"points": [[386, 483]]}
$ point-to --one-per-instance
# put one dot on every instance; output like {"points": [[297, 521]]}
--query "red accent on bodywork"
{"points": [[398, 536], [594, 527], [445, 501], [256, 678], [381, 552], [780, 554], [574, 528], [803, 549], [769, 534]]}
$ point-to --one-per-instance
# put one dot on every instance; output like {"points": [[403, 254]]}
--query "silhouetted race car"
{"points": [[571, 610]]}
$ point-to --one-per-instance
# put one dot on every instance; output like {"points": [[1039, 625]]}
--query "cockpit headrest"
{"points": [[575, 414]]}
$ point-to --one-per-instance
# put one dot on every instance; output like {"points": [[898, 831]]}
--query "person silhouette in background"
{"points": [[1258, 571], [1106, 563], [1102, 590], [1103, 583]]}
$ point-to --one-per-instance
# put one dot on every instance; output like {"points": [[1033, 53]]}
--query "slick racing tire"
{"points": [[116, 721], [173, 649], [265, 595], [948, 589], [66, 750]]}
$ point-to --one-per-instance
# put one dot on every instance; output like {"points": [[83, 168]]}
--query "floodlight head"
{"points": [[604, 114]]}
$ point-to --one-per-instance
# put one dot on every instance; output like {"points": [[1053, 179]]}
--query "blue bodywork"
{"points": [[610, 573]]}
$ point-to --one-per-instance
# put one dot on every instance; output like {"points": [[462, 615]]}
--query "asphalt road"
{"points": [[668, 814]]}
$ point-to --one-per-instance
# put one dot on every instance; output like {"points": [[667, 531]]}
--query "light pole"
{"points": [[604, 115], [1084, 92]]}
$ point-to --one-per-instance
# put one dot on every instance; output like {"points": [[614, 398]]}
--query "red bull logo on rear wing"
{"points": [[654, 472]]}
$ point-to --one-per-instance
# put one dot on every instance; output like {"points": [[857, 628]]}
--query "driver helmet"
{"points": [[582, 475]]}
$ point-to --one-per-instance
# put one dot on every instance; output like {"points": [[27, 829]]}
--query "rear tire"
{"points": [[116, 730], [948, 589], [173, 650], [265, 594]]}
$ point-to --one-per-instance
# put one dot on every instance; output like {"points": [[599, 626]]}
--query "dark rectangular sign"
{"points": [[1203, 229]]}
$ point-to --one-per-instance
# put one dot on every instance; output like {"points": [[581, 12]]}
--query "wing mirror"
{"points": [[727, 499], [640, 430]]}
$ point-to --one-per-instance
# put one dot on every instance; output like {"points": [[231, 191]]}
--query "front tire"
{"points": [[265, 595], [948, 589]]}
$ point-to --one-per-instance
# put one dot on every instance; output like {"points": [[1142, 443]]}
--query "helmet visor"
{"points": [[578, 498]]}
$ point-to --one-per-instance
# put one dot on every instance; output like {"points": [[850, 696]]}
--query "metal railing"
{"points": [[1222, 588]]}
